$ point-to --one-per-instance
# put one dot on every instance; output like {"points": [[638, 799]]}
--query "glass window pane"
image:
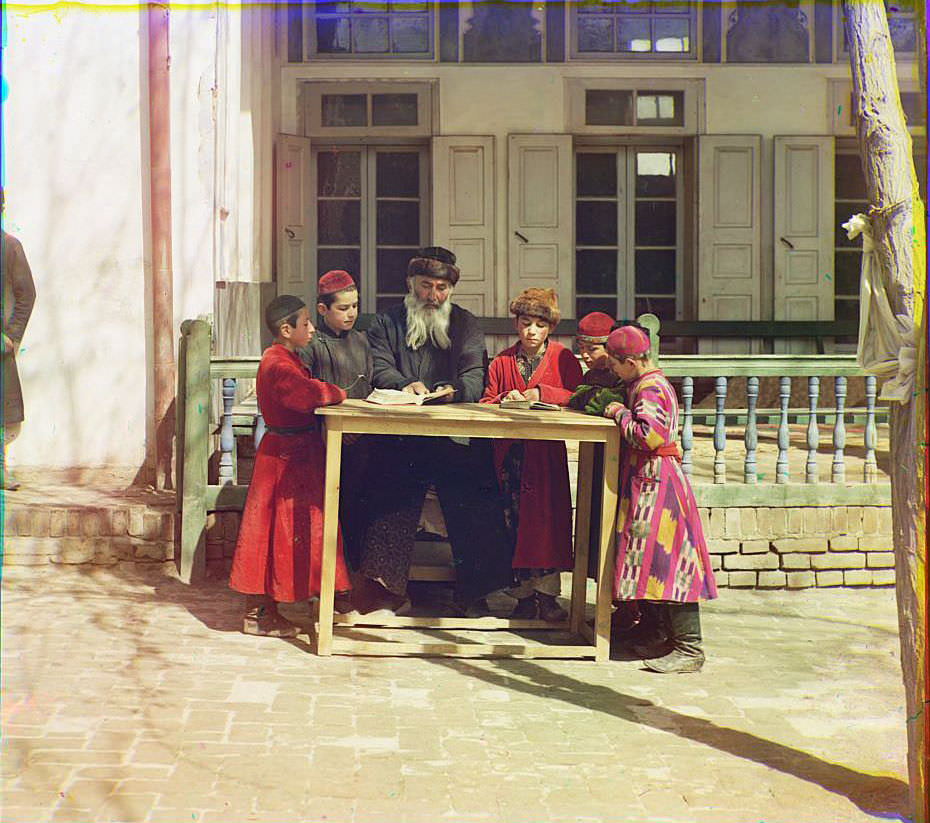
{"points": [[384, 303], [903, 38], [631, 6], [588, 7], [655, 271], [655, 223], [910, 103], [369, 34], [346, 259], [848, 266], [633, 34], [608, 108], [842, 213], [595, 34], [398, 223], [850, 182], [326, 7], [398, 174], [670, 8], [595, 272], [847, 310], [338, 222], [392, 269], [344, 110], [596, 175], [596, 223], [584, 305], [393, 110], [673, 34], [410, 35], [333, 35], [339, 174], [661, 307], [655, 174]]}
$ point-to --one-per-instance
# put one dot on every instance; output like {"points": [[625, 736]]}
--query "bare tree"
{"points": [[898, 229]]}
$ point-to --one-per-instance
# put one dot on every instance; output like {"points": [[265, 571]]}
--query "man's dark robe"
{"points": [[19, 295], [463, 475]]}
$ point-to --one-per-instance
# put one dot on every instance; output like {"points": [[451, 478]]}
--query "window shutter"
{"points": [[540, 219], [729, 259], [463, 215], [292, 175], [803, 233]]}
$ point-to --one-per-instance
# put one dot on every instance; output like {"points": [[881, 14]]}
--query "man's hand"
{"points": [[613, 409], [532, 395], [416, 387], [8, 346], [445, 387], [515, 394]]}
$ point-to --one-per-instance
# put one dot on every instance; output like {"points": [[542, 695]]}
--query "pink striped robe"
{"points": [[661, 552]]}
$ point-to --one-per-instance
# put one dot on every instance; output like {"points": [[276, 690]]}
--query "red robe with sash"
{"points": [[544, 534], [280, 545]]}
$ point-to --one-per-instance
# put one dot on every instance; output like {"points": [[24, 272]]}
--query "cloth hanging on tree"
{"points": [[887, 344]]}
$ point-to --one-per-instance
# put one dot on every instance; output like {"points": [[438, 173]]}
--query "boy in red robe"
{"points": [[280, 545], [533, 474]]}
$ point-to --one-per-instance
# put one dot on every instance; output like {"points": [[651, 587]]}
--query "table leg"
{"points": [[324, 639], [605, 575], [583, 491]]}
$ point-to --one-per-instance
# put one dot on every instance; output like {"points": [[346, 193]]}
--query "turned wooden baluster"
{"points": [[720, 434], [751, 437], [813, 433], [781, 462], [687, 425], [839, 432], [227, 469], [870, 469]]}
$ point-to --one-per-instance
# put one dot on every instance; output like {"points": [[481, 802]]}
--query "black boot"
{"points": [[687, 654], [651, 637]]}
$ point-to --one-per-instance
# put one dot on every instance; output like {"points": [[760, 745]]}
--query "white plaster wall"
{"points": [[74, 198]]}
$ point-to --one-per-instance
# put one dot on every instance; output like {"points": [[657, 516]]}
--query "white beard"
{"points": [[427, 324]]}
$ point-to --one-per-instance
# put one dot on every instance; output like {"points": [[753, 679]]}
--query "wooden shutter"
{"points": [[463, 215], [540, 224], [729, 259], [292, 174], [803, 233]]}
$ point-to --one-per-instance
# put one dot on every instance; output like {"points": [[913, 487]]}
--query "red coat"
{"points": [[544, 535], [280, 544]]}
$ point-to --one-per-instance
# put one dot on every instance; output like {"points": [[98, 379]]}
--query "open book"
{"points": [[394, 397], [529, 404]]}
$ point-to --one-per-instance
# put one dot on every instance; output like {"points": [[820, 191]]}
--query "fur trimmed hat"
{"points": [[335, 281], [434, 261], [628, 341], [541, 303], [594, 327]]}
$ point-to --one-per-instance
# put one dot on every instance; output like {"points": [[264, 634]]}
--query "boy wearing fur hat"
{"points": [[661, 555], [280, 545], [340, 354], [533, 474]]}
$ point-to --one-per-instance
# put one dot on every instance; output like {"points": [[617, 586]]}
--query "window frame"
{"points": [[839, 100], [692, 105], [728, 8], [693, 54], [310, 53], [312, 92], [839, 38], [368, 243]]}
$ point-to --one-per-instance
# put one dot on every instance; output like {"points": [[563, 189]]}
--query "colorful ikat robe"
{"points": [[661, 552]]}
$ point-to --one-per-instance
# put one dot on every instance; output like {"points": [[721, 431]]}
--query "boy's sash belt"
{"points": [[291, 432], [668, 450]]}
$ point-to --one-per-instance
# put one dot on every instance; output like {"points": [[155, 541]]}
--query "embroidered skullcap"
{"points": [[595, 327], [280, 309], [541, 303], [434, 261], [628, 341], [335, 281]]}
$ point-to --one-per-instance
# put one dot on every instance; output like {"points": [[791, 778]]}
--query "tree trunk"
{"points": [[898, 228]]}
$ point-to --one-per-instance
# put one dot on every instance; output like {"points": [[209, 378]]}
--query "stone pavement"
{"points": [[129, 696]]}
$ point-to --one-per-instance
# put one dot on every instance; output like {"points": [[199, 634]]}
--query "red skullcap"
{"points": [[594, 327], [335, 281], [627, 341]]}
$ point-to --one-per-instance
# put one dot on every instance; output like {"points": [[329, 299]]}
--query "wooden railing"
{"points": [[199, 372]]}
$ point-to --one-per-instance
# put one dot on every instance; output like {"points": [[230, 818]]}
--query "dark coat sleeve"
{"points": [[384, 371], [472, 362], [16, 268]]}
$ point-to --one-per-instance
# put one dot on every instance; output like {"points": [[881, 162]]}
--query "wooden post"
{"points": [[898, 230]]}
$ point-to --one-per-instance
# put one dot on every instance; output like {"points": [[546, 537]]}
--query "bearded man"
{"points": [[419, 346]]}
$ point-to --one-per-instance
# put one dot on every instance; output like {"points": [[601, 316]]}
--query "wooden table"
{"points": [[478, 420]]}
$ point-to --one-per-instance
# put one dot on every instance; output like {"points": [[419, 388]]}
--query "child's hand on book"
{"points": [[416, 387]]}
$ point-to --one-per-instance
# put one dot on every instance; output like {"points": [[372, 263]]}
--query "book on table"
{"points": [[529, 404], [395, 397]]}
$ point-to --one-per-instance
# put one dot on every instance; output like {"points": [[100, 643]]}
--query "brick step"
{"points": [[101, 551]]}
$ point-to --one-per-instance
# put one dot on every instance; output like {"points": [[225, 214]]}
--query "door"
{"points": [[292, 166]]}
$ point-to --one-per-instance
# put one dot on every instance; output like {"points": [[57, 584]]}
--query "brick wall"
{"points": [[799, 548]]}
